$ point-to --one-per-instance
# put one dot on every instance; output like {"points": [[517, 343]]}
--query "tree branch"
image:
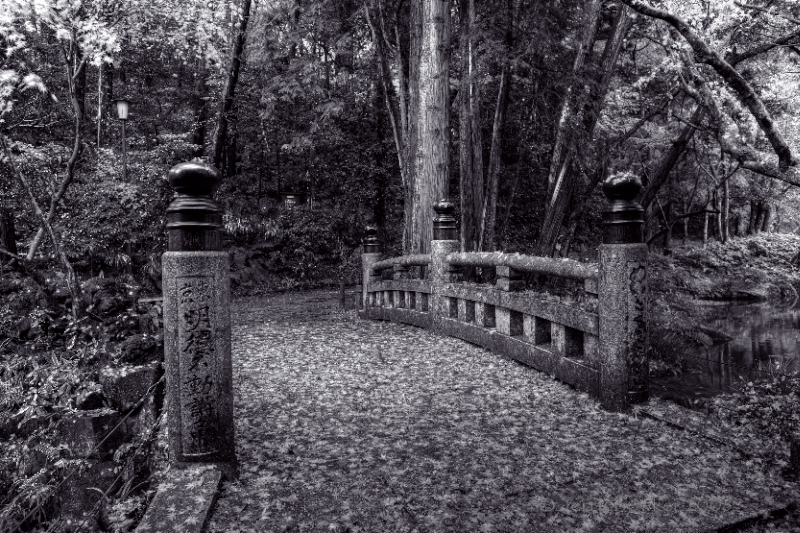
{"points": [[744, 91]]}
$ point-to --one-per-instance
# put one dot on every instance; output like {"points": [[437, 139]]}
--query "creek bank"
{"points": [[758, 268], [761, 268]]}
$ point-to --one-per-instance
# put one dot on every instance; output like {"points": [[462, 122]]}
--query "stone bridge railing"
{"points": [[595, 340]]}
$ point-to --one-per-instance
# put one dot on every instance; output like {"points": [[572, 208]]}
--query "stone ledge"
{"points": [[183, 501]]}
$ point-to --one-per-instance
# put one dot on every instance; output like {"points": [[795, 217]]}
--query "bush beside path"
{"points": [[350, 425]]}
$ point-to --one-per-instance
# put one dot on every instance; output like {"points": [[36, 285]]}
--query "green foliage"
{"points": [[303, 248]]}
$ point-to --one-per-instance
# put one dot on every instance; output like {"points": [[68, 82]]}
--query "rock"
{"points": [[83, 433], [125, 386], [142, 348]]}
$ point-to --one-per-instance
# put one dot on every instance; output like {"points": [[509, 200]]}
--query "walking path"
{"points": [[351, 425]]}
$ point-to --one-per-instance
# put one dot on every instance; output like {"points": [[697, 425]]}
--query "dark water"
{"points": [[765, 342]]}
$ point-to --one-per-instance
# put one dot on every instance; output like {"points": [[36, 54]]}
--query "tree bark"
{"points": [[413, 112], [751, 226], [432, 164], [726, 211], [8, 234], [230, 86], [767, 220], [489, 232], [470, 142]]}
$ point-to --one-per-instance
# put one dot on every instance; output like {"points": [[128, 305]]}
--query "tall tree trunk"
{"points": [[718, 216], [230, 86], [413, 112], [705, 226], [488, 233], [432, 164], [582, 106], [470, 142], [751, 225], [396, 106]]}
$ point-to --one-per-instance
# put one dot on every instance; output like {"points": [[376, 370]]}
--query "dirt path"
{"points": [[350, 425]]}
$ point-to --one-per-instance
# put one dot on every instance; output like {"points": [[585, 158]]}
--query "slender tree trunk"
{"points": [[77, 108], [667, 163], [705, 227], [726, 211], [766, 222], [718, 216], [413, 112], [488, 232], [8, 234], [582, 105], [470, 142], [493, 178], [760, 212], [751, 225], [72, 281], [668, 215], [686, 206], [432, 165], [230, 87], [396, 107], [199, 111]]}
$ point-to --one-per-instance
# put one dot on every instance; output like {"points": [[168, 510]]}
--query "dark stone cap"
{"points": [[194, 178], [623, 220], [444, 225], [193, 217], [371, 243], [623, 186]]}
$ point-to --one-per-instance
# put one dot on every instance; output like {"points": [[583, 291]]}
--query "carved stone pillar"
{"points": [[623, 298], [197, 324]]}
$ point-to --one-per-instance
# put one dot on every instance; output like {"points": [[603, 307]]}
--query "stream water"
{"points": [[765, 341]]}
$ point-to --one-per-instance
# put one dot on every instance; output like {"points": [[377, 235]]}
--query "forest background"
{"points": [[344, 103]]}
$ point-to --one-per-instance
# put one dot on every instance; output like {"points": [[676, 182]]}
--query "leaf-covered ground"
{"points": [[352, 425]]}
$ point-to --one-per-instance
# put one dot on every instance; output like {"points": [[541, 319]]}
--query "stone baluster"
{"points": [[445, 241], [370, 256], [622, 297], [197, 324]]}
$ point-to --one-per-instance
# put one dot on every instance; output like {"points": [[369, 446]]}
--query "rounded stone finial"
{"points": [[371, 243], [194, 178], [622, 186], [444, 225], [444, 207], [623, 219]]}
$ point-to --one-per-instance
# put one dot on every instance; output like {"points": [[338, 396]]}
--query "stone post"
{"points": [[197, 323], [445, 241], [370, 256], [622, 298]]}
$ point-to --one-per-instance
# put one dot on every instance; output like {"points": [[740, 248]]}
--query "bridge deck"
{"points": [[375, 426]]}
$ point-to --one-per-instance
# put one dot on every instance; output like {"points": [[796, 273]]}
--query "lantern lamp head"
{"points": [[122, 108]]}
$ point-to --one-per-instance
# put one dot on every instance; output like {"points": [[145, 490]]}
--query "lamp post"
{"points": [[122, 114]]}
